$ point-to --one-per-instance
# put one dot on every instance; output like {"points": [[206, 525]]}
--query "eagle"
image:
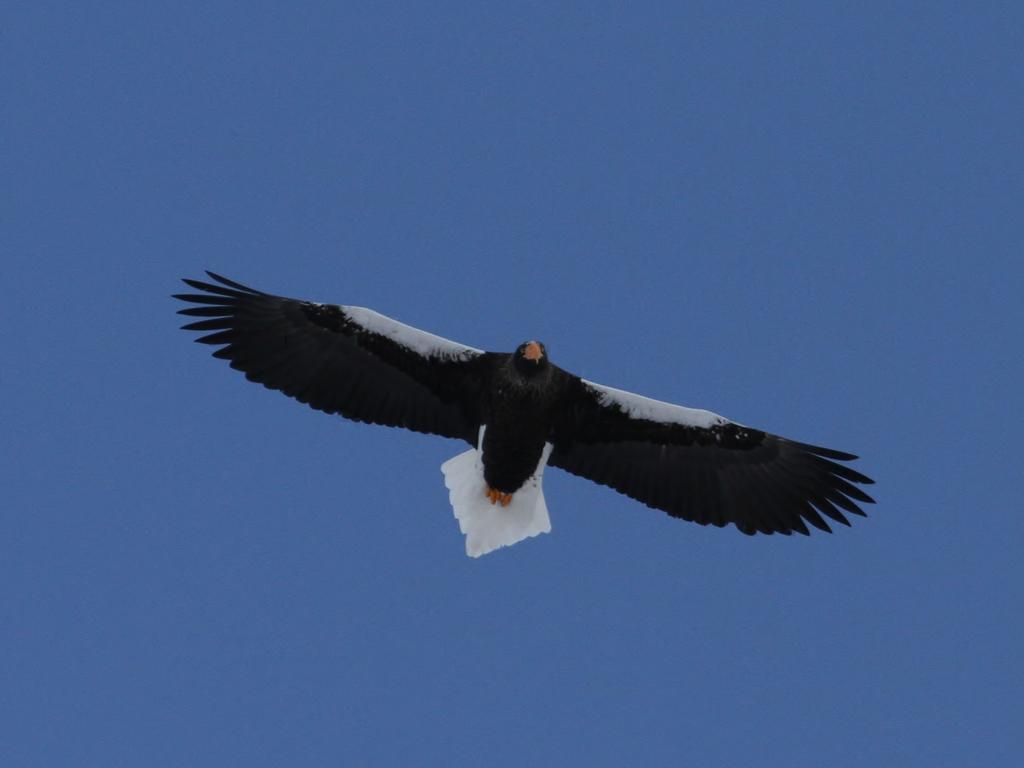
{"points": [[520, 413]]}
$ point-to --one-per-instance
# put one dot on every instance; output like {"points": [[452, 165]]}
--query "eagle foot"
{"points": [[497, 497]]}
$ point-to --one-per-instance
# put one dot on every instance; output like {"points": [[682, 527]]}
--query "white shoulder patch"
{"points": [[426, 344], [640, 407]]}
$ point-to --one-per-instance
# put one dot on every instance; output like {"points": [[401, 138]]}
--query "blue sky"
{"points": [[805, 216]]}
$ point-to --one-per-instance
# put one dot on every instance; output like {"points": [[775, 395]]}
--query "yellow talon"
{"points": [[497, 497]]}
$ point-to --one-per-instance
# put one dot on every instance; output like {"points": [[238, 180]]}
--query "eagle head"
{"points": [[530, 357]]}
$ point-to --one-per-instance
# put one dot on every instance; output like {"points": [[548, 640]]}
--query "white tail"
{"points": [[490, 526]]}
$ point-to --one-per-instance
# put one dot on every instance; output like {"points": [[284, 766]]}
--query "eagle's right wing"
{"points": [[346, 360]]}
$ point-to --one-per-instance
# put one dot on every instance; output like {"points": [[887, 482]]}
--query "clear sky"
{"points": [[804, 216]]}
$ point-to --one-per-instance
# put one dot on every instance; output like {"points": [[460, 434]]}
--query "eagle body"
{"points": [[519, 413]]}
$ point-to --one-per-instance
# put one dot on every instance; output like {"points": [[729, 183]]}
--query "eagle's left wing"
{"points": [[700, 466], [339, 359]]}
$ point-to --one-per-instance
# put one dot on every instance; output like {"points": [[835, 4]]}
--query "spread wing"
{"points": [[346, 360], [700, 466]]}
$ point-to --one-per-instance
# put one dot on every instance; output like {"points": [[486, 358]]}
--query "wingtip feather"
{"points": [[231, 283]]}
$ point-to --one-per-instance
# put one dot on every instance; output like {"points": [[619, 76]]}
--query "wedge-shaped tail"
{"points": [[490, 526]]}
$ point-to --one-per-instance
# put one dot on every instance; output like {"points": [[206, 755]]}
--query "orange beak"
{"points": [[532, 351]]}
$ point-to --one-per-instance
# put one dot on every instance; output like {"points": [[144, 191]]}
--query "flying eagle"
{"points": [[520, 413]]}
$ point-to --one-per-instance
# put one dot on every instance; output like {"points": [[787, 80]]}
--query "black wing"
{"points": [[700, 466], [346, 360]]}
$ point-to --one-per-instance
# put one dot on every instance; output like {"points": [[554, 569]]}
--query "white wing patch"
{"points": [[491, 526], [640, 407], [426, 344]]}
